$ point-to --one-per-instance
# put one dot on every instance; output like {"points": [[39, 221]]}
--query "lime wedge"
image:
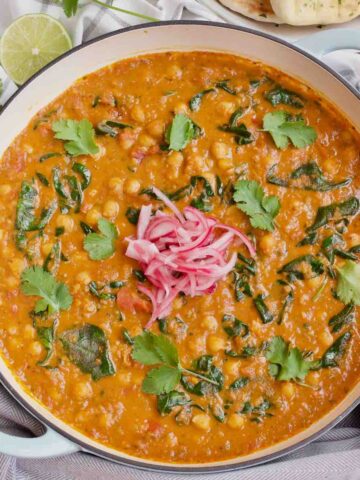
{"points": [[30, 43]]}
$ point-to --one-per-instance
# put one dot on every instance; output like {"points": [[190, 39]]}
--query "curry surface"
{"points": [[145, 92]]}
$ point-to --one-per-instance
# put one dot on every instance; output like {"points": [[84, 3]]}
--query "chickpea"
{"points": [[11, 282], [225, 164], [202, 421], [156, 128], [326, 338], [313, 378], [5, 190], [354, 239], [197, 345], [330, 165], [220, 150], [195, 164], [116, 184], [288, 390], [215, 343], [314, 282], [138, 114], [35, 348], [231, 367], [82, 390], [46, 248], [66, 222], [146, 140], [90, 307], [12, 329], [174, 72], [236, 421], [111, 209], [124, 378], [267, 243], [93, 215], [29, 332], [175, 161], [17, 265], [226, 108], [126, 142], [181, 107], [132, 186], [209, 323], [83, 277]]}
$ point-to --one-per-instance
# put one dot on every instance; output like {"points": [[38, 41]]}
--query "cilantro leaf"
{"points": [[181, 131], [55, 295], [283, 128], [70, 7], [150, 349], [250, 198], [78, 135], [348, 287], [287, 363], [101, 245], [161, 380]]}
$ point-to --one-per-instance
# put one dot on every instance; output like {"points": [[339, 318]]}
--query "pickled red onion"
{"points": [[181, 253]]}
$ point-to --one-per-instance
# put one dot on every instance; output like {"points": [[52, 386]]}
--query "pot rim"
{"points": [[137, 462]]}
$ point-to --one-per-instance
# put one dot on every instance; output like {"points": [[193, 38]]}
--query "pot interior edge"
{"points": [[50, 84]]}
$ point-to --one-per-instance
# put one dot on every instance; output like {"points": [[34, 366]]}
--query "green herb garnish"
{"points": [[348, 287], [79, 136], [101, 245], [88, 349], [251, 199], [284, 128], [55, 295], [180, 132]]}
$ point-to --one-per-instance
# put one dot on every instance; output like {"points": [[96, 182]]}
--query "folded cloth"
{"points": [[335, 456]]}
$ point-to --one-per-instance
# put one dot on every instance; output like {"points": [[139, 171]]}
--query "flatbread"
{"points": [[260, 10], [316, 12]]}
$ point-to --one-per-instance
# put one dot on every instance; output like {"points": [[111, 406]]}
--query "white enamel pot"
{"points": [[59, 438]]}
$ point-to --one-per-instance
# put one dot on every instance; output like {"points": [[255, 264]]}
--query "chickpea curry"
{"points": [[180, 242]]}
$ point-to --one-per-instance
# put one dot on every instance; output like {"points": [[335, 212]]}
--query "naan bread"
{"points": [[312, 12], [257, 9]]}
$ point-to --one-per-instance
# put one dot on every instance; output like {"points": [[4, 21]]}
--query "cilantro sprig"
{"points": [[70, 8], [348, 287], [284, 129], [151, 349], [101, 245], [251, 199], [55, 295], [287, 363], [78, 135]]}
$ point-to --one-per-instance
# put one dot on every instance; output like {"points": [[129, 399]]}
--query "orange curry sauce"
{"points": [[145, 93]]}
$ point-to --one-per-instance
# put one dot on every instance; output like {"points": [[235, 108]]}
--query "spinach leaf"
{"points": [[53, 257], [258, 412], [234, 327], [209, 371], [328, 246], [263, 310], [166, 402], [247, 351], [242, 135], [202, 202], [287, 302], [335, 352], [95, 290], [239, 383], [110, 127], [25, 210], [85, 174], [224, 85], [346, 316], [348, 208], [87, 347], [86, 228], [195, 101], [314, 179], [46, 156], [311, 267], [127, 337], [279, 95], [42, 179], [132, 214]]}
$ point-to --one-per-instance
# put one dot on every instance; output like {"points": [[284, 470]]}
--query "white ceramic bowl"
{"points": [[60, 438]]}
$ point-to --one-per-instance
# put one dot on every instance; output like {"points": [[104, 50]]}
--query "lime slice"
{"points": [[30, 43]]}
